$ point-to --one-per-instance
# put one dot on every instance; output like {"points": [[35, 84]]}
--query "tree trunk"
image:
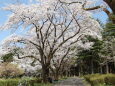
{"points": [[69, 73], [45, 73], [107, 67], [56, 76], [92, 69], [66, 73], [101, 70], [79, 71]]}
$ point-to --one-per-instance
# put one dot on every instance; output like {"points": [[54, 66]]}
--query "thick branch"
{"points": [[93, 8]]}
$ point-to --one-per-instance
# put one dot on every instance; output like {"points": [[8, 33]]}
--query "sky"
{"points": [[4, 16]]}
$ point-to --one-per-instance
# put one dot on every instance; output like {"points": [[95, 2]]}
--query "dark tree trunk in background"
{"points": [[80, 70], [92, 69], [101, 69], [107, 67]]}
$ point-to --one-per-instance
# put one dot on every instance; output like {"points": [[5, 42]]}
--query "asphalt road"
{"points": [[74, 81]]}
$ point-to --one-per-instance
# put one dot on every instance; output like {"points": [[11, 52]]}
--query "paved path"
{"points": [[75, 81]]}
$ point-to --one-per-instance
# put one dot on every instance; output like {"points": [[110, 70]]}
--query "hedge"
{"points": [[101, 79]]}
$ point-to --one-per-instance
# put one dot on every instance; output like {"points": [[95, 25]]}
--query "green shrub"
{"points": [[110, 79], [97, 80], [100, 79], [92, 76]]}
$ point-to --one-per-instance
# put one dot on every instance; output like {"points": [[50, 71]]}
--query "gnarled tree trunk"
{"points": [[45, 73]]}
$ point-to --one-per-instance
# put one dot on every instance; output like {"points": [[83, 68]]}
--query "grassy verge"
{"points": [[16, 81], [29, 81]]}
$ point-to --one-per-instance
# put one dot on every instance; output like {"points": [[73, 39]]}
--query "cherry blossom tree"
{"points": [[51, 29]]}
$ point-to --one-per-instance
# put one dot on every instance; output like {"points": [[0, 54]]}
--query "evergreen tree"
{"points": [[91, 57]]}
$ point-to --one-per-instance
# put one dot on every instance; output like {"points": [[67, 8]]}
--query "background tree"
{"points": [[109, 47], [90, 57]]}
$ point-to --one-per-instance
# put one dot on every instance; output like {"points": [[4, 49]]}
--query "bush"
{"points": [[110, 79], [91, 77], [100, 79], [8, 70], [97, 80]]}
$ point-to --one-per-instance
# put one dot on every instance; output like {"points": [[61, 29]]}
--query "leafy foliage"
{"points": [[7, 57], [109, 30]]}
